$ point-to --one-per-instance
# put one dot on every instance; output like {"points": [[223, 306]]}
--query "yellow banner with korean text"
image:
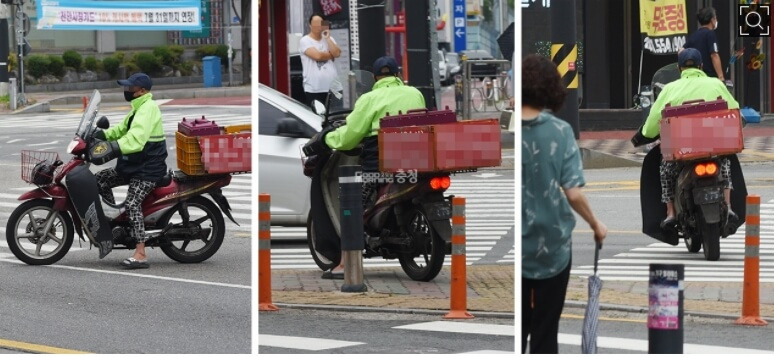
{"points": [[663, 24]]}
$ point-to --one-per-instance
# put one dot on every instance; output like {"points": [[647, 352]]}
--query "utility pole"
{"points": [[5, 49], [21, 47]]}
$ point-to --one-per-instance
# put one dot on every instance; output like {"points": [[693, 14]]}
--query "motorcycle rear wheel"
{"points": [[31, 245], [322, 262], [200, 211], [428, 249], [710, 236]]}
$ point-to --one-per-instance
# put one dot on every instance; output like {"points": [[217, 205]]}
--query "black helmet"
{"points": [[43, 173]]}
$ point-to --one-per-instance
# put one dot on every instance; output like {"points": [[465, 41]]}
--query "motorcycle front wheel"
{"points": [[425, 260], [200, 215], [29, 239]]}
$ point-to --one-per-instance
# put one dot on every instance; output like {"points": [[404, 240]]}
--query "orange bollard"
{"points": [[85, 103], [459, 284], [264, 253], [752, 241]]}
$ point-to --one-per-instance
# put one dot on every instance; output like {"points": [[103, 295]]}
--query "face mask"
{"points": [[716, 25], [129, 96]]}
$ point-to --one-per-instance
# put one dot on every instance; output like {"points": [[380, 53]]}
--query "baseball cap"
{"points": [[385, 65], [138, 79], [689, 57]]}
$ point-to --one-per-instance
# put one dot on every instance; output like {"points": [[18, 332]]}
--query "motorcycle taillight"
{"points": [[440, 183], [706, 169]]}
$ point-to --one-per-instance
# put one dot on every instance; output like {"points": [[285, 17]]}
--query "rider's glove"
{"points": [[316, 144], [103, 151], [99, 134]]}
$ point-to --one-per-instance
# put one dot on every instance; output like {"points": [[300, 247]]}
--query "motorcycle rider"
{"points": [[388, 95], [139, 143], [693, 84]]}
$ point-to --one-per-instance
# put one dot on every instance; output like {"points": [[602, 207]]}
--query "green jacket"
{"points": [[693, 84], [145, 118], [140, 137], [389, 95]]}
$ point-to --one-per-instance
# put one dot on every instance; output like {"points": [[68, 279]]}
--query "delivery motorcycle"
{"points": [[407, 217], [700, 208], [188, 227]]}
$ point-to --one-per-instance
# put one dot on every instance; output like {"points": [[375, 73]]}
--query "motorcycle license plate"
{"points": [[438, 210], [706, 195]]}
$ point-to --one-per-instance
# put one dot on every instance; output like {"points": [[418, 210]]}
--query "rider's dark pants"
{"points": [[668, 172], [138, 189], [542, 302]]}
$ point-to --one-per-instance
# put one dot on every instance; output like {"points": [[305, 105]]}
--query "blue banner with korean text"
{"points": [[152, 15]]}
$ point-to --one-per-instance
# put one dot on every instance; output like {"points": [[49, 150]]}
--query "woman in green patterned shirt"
{"points": [[551, 181]]}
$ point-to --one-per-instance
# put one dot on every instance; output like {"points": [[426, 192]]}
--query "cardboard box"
{"points": [[701, 135], [444, 147]]}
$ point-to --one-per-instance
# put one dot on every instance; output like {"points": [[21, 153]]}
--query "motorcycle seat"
{"points": [[165, 180]]}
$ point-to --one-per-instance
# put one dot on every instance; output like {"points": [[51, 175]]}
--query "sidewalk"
{"points": [[41, 102], [490, 289], [610, 149]]}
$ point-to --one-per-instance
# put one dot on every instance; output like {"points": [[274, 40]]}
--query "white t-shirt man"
{"points": [[318, 76]]}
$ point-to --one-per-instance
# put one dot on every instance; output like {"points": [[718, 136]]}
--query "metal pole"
{"points": [[665, 308], [230, 61], [465, 88], [352, 243], [19, 27]]}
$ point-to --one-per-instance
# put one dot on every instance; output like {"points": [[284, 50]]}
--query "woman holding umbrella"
{"points": [[552, 177]]}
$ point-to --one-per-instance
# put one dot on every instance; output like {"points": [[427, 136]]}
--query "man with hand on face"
{"points": [[318, 51], [138, 143]]}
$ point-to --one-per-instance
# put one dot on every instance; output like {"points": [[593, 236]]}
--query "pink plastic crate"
{"points": [[226, 153], [198, 127], [443, 147]]}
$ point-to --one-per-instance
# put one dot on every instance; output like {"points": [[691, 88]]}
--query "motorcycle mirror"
{"points": [[319, 108], [103, 123]]}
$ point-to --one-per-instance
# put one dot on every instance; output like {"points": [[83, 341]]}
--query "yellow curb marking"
{"points": [[31, 347], [602, 318], [630, 182], [609, 231]]}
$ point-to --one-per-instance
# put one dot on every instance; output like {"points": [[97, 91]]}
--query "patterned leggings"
{"points": [[668, 171], [138, 189]]}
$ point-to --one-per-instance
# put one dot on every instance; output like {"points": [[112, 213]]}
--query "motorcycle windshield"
{"points": [[87, 121], [342, 96]]}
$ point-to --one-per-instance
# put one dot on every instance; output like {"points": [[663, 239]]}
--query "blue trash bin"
{"points": [[211, 71]]}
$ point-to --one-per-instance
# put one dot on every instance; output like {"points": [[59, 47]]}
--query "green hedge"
{"points": [[37, 65], [111, 65], [90, 63], [72, 59]]}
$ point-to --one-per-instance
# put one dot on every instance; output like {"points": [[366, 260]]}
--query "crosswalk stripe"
{"points": [[303, 343], [631, 344], [462, 327]]}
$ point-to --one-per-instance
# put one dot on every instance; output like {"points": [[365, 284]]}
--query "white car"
{"points": [[443, 73], [285, 125]]}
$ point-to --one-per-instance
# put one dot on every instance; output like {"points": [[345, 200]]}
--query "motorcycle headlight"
{"points": [[72, 146]]}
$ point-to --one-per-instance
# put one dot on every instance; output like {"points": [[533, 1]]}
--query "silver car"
{"points": [[285, 125]]}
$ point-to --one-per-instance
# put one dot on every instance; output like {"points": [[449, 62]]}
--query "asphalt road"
{"points": [[85, 304], [628, 333], [614, 197], [292, 331]]}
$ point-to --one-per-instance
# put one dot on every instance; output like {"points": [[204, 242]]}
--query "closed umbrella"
{"points": [[591, 319]]}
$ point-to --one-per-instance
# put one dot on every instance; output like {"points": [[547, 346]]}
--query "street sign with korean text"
{"points": [[664, 25], [460, 30]]}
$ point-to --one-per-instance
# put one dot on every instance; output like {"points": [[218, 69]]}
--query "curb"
{"points": [[599, 160], [644, 310], [498, 315]]}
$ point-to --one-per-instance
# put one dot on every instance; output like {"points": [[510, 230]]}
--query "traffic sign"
{"points": [[460, 26]]}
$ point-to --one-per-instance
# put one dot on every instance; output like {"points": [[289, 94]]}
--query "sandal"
{"points": [[132, 263]]}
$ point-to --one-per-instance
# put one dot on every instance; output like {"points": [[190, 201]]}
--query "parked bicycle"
{"points": [[491, 91]]}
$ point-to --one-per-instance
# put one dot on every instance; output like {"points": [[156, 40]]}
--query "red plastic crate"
{"points": [[701, 135], [443, 147], [226, 153], [198, 127], [418, 117]]}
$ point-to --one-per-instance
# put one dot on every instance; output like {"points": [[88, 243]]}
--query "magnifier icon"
{"points": [[756, 24]]}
